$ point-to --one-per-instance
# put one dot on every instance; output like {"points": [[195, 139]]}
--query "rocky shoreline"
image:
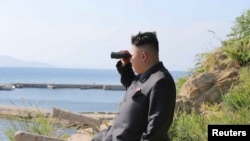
{"points": [[82, 122]]}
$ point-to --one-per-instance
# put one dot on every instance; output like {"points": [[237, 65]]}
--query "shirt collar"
{"points": [[143, 77]]}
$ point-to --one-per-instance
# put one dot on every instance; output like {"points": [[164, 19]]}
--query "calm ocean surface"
{"points": [[75, 100]]}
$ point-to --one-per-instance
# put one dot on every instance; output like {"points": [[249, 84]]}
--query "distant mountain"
{"points": [[7, 61]]}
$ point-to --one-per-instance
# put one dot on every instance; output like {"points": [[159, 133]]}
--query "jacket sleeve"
{"points": [[161, 109], [126, 72]]}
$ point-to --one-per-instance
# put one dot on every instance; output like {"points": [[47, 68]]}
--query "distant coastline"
{"points": [[11, 62], [7, 61]]}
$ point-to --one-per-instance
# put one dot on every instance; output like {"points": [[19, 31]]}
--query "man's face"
{"points": [[136, 59]]}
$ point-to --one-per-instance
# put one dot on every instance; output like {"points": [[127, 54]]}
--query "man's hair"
{"points": [[146, 38]]}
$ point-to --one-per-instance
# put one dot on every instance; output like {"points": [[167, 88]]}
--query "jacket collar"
{"points": [[143, 77]]}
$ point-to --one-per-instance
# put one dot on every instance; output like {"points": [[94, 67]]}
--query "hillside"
{"points": [[218, 89]]}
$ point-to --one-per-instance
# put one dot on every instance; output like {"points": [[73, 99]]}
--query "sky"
{"points": [[83, 33]]}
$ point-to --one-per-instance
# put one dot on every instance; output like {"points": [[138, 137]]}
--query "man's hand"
{"points": [[125, 60]]}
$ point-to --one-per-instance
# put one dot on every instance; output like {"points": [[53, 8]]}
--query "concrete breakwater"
{"points": [[56, 86]]}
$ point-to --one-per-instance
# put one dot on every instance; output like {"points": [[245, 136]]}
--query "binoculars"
{"points": [[119, 55]]}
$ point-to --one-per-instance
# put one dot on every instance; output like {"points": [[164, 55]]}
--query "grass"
{"points": [[188, 127], [38, 124]]}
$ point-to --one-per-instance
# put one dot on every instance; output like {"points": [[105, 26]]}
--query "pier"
{"points": [[57, 86]]}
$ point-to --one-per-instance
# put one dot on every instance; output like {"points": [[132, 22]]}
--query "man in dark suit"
{"points": [[147, 109]]}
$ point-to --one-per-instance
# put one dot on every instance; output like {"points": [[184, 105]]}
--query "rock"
{"points": [[24, 136], [206, 87], [87, 134], [80, 137], [81, 120]]}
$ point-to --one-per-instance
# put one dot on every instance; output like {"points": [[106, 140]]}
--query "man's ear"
{"points": [[144, 56]]}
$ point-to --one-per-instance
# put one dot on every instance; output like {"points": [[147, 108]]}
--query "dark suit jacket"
{"points": [[146, 111]]}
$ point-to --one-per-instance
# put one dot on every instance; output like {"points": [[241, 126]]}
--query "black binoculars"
{"points": [[119, 55]]}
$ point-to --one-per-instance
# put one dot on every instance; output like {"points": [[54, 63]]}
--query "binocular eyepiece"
{"points": [[119, 55]]}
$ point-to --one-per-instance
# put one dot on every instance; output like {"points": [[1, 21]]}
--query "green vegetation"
{"points": [[235, 107], [179, 82], [39, 124]]}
